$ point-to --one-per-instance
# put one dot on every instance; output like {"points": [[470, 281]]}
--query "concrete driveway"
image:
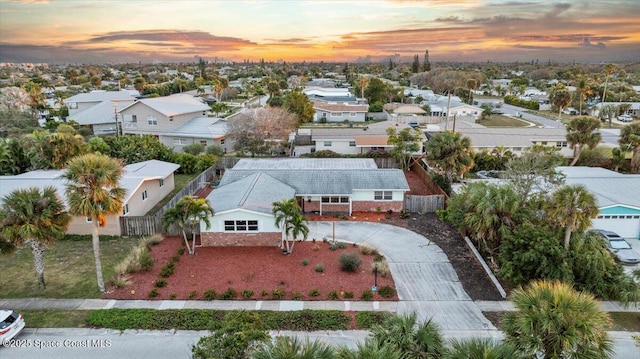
{"points": [[425, 279]]}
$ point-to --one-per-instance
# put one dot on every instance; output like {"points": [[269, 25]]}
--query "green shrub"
{"points": [[278, 293], [366, 295], [366, 320], [386, 291], [154, 293], [314, 292], [319, 267], [172, 296], [296, 296], [264, 293], [348, 294], [210, 294], [174, 259], [192, 294], [228, 294], [181, 251], [337, 245], [304, 262], [333, 295], [349, 262], [146, 261], [167, 270], [160, 283], [247, 293], [120, 280]]}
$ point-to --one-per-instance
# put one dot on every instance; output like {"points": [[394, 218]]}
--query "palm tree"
{"points": [[94, 192], [581, 131], [560, 98], [363, 82], [584, 90], [188, 213], [482, 348], [451, 153], [370, 349], [608, 112], [630, 141], [573, 207], [552, 320], [293, 348], [289, 217], [608, 71], [410, 338], [29, 216]]}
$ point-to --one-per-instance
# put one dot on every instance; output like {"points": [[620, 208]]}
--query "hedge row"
{"points": [[204, 319], [515, 101]]}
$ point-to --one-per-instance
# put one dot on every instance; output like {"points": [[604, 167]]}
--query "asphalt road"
{"points": [[513, 110], [107, 344]]}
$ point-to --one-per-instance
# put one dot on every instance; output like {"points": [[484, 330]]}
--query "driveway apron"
{"points": [[425, 279]]}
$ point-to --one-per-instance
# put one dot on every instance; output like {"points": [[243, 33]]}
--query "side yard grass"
{"points": [[502, 121], [180, 180], [69, 268]]}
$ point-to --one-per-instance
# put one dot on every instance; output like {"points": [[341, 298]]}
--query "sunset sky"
{"points": [[118, 31]]}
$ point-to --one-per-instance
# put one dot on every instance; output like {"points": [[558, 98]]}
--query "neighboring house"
{"points": [[206, 131], [243, 200], [339, 111], [98, 110], [146, 183], [347, 141], [617, 196], [633, 111], [320, 92], [161, 115]]}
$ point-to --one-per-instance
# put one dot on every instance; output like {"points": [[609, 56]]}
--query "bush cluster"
{"points": [[349, 262], [515, 101], [366, 320]]}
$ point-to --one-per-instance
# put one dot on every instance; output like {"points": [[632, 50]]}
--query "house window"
{"points": [[222, 141], [72, 105], [544, 143], [561, 144], [352, 143], [125, 209], [352, 114], [203, 142], [134, 118], [144, 195], [152, 121], [241, 226], [382, 195], [180, 141], [335, 199], [161, 182], [327, 143], [336, 114], [170, 118]]}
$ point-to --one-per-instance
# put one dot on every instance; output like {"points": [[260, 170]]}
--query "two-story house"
{"points": [[98, 110]]}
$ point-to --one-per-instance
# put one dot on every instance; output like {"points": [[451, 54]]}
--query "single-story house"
{"points": [[206, 131], [146, 183], [617, 196], [243, 200], [339, 111]]}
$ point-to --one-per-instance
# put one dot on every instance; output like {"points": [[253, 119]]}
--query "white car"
{"points": [[11, 324], [625, 118]]}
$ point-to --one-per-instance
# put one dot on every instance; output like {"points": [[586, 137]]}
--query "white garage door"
{"points": [[627, 226]]}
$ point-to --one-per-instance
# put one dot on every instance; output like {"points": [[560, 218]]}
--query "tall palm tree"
{"points": [[94, 192], [630, 141], [293, 348], [608, 112], [608, 70], [451, 153], [584, 90], [552, 320], [187, 214], [35, 218], [370, 349], [363, 82], [412, 339], [289, 217], [573, 207], [581, 131], [560, 98], [482, 348]]}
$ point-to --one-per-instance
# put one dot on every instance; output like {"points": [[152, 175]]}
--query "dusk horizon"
{"points": [[92, 32]]}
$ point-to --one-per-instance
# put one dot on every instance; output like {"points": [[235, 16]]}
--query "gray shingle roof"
{"points": [[305, 164], [327, 181], [99, 96], [255, 192], [174, 105], [102, 112], [201, 127], [609, 187]]}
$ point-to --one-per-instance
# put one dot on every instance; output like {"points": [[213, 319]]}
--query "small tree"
{"points": [[572, 207], [35, 218], [552, 320], [630, 141], [289, 217], [405, 142], [187, 214], [581, 131]]}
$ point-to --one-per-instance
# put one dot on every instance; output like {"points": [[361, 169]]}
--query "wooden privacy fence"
{"points": [[423, 204]]}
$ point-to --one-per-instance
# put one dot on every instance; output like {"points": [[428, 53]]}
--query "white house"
{"points": [[244, 198], [206, 131], [98, 110]]}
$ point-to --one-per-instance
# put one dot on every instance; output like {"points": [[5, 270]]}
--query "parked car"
{"points": [[413, 124], [620, 248], [625, 118], [497, 111], [11, 324]]}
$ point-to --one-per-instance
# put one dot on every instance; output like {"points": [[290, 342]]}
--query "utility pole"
{"points": [[446, 123]]}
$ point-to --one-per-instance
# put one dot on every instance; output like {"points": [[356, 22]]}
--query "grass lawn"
{"points": [[502, 121], [69, 269], [56, 318], [181, 180]]}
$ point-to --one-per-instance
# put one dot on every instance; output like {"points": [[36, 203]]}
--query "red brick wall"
{"points": [[218, 239], [372, 206]]}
